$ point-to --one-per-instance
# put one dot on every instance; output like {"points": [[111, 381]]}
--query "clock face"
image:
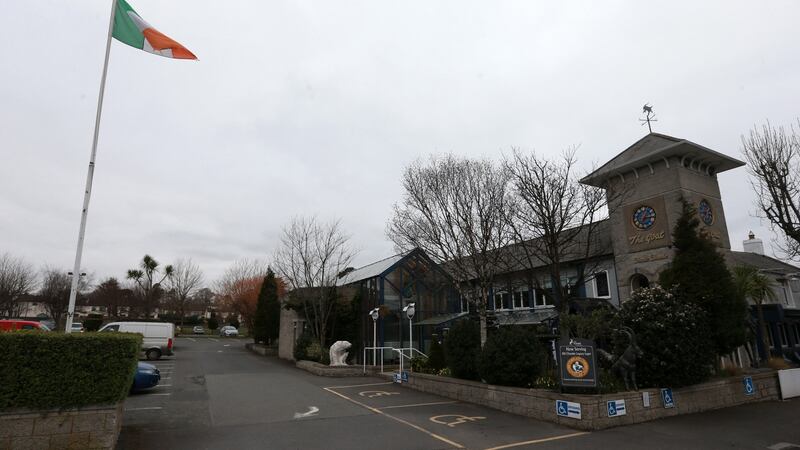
{"points": [[644, 217], [705, 212]]}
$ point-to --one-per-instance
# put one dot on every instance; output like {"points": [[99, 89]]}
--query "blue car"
{"points": [[147, 376]]}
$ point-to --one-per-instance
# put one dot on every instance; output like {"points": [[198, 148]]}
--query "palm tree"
{"points": [[753, 285], [148, 281]]}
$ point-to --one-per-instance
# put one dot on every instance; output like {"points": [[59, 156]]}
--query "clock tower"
{"points": [[644, 185]]}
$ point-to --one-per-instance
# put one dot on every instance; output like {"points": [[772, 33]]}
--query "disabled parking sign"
{"points": [[667, 398], [749, 388], [568, 409], [616, 408]]}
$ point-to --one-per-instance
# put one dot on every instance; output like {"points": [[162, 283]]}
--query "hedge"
{"points": [[50, 370]]}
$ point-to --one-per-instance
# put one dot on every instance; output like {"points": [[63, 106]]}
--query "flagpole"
{"points": [[76, 272]]}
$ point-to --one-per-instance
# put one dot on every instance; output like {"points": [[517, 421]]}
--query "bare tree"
{"points": [[310, 257], [186, 278], [203, 299], [456, 210], [555, 220], [55, 290], [112, 296], [773, 159], [148, 279], [16, 279]]}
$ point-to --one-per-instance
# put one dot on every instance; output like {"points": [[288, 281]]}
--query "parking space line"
{"points": [[418, 404], [167, 393], [192, 339], [146, 408], [378, 411], [215, 340], [164, 385], [359, 385], [539, 441]]}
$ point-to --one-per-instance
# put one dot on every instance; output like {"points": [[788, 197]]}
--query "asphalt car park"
{"points": [[215, 394], [456, 424]]}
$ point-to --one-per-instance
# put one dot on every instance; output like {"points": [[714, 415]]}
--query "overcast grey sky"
{"points": [[300, 107]]}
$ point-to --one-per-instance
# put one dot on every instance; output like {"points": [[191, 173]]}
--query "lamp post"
{"points": [[374, 314], [409, 310], [71, 311]]}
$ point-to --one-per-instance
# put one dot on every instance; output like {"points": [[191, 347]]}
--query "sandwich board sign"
{"points": [[616, 408], [568, 409], [576, 361]]}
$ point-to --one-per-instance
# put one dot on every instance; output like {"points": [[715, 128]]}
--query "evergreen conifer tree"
{"points": [[273, 307], [699, 275], [267, 321]]}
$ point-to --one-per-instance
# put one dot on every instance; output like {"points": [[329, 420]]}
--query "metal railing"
{"points": [[402, 353], [374, 349]]}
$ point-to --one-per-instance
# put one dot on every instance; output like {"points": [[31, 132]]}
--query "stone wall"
{"points": [[540, 404], [329, 371], [94, 428]]}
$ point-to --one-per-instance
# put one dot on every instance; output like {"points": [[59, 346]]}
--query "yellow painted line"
{"points": [[358, 385], [416, 427], [418, 404], [539, 441]]}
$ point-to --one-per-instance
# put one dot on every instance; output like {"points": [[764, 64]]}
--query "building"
{"points": [[644, 186]]}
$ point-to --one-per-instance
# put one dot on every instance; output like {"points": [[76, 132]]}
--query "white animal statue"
{"points": [[338, 353]]}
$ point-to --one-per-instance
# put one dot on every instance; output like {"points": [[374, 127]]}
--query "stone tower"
{"points": [[644, 185]]}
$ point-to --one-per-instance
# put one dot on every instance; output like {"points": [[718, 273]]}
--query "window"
{"points": [[522, 299], [796, 334], [464, 304], [770, 342], [111, 328], [784, 335], [502, 300], [601, 284], [542, 298]]}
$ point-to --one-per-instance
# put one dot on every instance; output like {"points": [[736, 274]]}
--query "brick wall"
{"points": [[92, 428], [540, 403]]}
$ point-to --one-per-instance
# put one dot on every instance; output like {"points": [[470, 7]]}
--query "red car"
{"points": [[16, 324]]}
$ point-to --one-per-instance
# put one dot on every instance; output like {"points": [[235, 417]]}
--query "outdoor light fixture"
{"points": [[410, 310], [375, 313]]}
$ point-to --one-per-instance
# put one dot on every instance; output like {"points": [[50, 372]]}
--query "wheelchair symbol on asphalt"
{"points": [[373, 394], [459, 419]]}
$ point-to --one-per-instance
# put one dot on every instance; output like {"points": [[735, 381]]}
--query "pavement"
{"points": [[216, 394]]}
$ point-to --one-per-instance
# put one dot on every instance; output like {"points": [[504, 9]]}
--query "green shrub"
{"points": [[213, 323], [301, 347], [52, 370], [92, 322], [462, 347], [436, 359], [512, 356], [677, 345]]}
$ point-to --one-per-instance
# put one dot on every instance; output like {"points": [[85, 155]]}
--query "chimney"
{"points": [[753, 245]]}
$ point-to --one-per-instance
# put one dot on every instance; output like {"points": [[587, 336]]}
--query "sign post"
{"points": [[577, 362]]}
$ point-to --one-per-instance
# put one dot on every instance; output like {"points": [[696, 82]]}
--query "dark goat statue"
{"points": [[625, 365]]}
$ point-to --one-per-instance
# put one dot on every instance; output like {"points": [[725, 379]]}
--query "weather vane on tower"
{"points": [[650, 116]]}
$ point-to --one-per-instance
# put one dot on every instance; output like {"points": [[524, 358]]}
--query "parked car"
{"points": [[77, 327], [228, 331], [19, 324], [198, 330], [158, 337], [147, 376]]}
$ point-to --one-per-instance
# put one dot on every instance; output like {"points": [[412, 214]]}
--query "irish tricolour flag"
{"points": [[131, 29]]}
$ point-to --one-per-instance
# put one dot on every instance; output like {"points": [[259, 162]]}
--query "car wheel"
{"points": [[153, 354]]}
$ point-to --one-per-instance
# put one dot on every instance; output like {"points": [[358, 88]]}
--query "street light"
{"points": [[374, 314], [71, 306], [410, 310]]}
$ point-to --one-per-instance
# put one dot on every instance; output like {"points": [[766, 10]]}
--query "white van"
{"points": [[157, 336]]}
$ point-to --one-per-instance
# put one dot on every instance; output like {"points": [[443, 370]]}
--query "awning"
{"points": [[438, 320], [524, 317]]}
